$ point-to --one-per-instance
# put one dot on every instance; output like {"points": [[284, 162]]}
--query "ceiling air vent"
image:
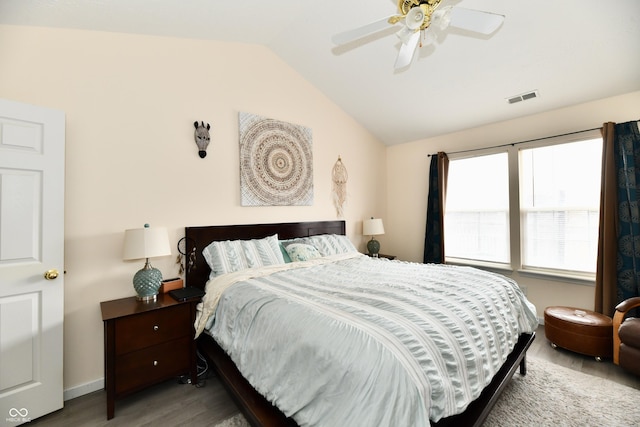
{"points": [[523, 97]]}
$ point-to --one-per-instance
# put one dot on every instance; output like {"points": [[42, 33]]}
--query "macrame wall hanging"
{"points": [[339, 176]]}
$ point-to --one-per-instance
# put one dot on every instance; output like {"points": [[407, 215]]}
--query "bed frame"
{"points": [[259, 411]]}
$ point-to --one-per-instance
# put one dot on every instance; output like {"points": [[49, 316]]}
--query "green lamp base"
{"points": [[373, 247], [146, 282]]}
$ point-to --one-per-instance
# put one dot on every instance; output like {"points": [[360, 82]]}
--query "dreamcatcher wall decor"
{"points": [[276, 162], [186, 255], [339, 176]]}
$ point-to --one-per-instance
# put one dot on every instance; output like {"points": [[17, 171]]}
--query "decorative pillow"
{"points": [[302, 252], [332, 244], [235, 255]]}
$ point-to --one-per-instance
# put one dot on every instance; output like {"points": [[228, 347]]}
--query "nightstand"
{"points": [[146, 343], [384, 256]]}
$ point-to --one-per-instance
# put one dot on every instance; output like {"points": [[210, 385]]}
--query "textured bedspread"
{"points": [[357, 341]]}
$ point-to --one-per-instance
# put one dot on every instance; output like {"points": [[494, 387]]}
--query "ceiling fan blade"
{"points": [[407, 50], [365, 30], [475, 20]]}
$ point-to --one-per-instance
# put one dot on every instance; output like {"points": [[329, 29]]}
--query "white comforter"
{"points": [[349, 340]]}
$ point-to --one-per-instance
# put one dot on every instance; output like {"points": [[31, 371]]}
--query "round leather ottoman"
{"points": [[582, 331]]}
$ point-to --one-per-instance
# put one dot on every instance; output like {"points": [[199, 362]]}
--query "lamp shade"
{"points": [[372, 227], [146, 242]]}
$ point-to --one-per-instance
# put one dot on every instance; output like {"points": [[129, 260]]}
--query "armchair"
{"points": [[626, 337]]}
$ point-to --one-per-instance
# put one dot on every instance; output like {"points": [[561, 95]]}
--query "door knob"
{"points": [[51, 274]]}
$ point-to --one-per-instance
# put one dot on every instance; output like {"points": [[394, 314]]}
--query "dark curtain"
{"points": [[618, 265], [434, 237]]}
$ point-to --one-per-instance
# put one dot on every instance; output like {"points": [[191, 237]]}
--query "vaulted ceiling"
{"points": [[569, 51]]}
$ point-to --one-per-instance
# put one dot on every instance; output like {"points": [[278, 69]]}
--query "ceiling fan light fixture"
{"points": [[442, 17], [405, 34], [414, 18]]}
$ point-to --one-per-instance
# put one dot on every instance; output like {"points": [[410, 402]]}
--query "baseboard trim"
{"points": [[82, 389]]}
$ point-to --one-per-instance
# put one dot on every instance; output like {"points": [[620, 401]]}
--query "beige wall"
{"points": [[407, 178], [130, 103]]}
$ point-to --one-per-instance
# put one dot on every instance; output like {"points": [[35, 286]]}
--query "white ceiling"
{"points": [[570, 51]]}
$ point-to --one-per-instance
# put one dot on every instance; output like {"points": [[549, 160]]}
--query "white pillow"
{"points": [[302, 252], [332, 244], [236, 255]]}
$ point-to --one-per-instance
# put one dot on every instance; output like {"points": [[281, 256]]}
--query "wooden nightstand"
{"points": [[146, 343]]}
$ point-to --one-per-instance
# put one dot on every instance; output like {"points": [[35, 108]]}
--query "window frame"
{"points": [[483, 263], [515, 231]]}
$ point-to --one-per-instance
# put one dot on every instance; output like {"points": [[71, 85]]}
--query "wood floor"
{"points": [[174, 404]]}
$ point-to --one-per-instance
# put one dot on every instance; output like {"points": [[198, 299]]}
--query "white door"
{"points": [[31, 243]]}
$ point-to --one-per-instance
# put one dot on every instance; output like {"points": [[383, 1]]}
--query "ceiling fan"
{"points": [[418, 19]]}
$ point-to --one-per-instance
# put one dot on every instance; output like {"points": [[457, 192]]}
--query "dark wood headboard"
{"points": [[198, 238]]}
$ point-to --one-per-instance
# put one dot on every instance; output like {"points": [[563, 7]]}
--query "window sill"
{"points": [[495, 266], [576, 278], [506, 269]]}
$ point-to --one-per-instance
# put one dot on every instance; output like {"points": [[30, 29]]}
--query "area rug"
{"points": [[235, 421], [550, 395]]}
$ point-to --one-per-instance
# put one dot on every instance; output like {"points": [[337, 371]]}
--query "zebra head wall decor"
{"points": [[202, 138]]}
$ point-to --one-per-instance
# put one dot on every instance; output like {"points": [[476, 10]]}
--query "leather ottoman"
{"points": [[582, 331]]}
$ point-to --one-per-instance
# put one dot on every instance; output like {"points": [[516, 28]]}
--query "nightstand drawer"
{"points": [[154, 327], [144, 367]]}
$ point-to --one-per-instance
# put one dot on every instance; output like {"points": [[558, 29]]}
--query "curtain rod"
{"points": [[519, 142]]}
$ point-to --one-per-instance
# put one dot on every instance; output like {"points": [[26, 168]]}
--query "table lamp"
{"points": [[146, 243], [373, 227]]}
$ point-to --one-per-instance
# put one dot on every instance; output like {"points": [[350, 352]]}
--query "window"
{"points": [[559, 206], [477, 211], [545, 221]]}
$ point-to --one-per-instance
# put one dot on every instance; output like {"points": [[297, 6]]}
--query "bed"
{"points": [[258, 410]]}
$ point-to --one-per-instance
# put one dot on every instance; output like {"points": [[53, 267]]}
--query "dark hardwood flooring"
{"points": [[166, 404], [174, 404]]}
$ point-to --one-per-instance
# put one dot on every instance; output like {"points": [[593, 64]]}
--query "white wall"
{"points": [[408, 175], [130, 103]]}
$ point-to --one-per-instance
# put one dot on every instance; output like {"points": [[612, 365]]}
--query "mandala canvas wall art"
{"points": [[276, 162]]}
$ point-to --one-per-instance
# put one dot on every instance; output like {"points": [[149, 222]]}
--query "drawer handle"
{"points": [[155, 327], [155, 363]]}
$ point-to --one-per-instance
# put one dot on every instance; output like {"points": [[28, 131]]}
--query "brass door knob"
{"points": [[51, 274]]}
